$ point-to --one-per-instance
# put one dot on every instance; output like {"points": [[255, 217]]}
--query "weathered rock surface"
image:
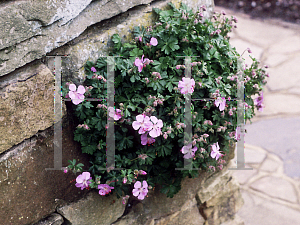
{"points": [[28, 191], [49, 26], [94, 209], [26, 106], [53, 219]]}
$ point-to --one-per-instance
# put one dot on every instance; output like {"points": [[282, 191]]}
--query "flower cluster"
{"points": [[150, 96], [146, 125]]}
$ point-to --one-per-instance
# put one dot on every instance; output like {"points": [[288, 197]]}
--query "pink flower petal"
{"points": [[145, 185], [72, 87], [135, 192], [72, 95], [136, 125], [137, 184], [81, 89]]}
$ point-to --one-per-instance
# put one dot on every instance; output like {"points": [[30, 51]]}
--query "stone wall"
{"points": [[81, 29]]}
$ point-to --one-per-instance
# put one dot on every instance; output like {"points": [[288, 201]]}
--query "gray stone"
{"points": [[53, 219], [270, 165], [43, 33], [276, 59], [236, 221], [279, 136], [213, 185], [276, 80], [189, 216], [91, 48], [276, 188], [254, 155], [224, 205], [257, 210], [94, 209], [255, 31], [28, 191], [289, 104], [288, 45], [28, 106]]}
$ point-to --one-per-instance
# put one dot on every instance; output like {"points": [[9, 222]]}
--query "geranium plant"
{"points": [[150, 93]]}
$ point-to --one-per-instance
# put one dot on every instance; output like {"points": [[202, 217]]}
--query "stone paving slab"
{"points": [[271, 191], [258, 211], [280, 136], [276, 187]]}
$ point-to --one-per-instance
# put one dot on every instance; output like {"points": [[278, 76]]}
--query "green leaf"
{"points": [[136, 52], [169, 86], [132, 79]]}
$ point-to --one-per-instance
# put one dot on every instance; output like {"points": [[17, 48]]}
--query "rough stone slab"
{"points": [[94, 209], [32, 17], [285, 76], [257, 210], [213, 185], [73, 17], [28, 191], [189, 216], [90, 45], [26, 107], [236, 221], [224, 205], [276, 188], [53, 219]]}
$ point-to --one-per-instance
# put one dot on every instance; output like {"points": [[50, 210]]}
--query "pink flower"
{"points": [[140, 63], [104, 189], [83, 180], [188, 151], [258, 102], [76, 96], [165, 135], [187, 85], [220, 103], [156, 129], [146, 140], [142, 172], [93, 69], [140, 191], [153, 41], [124, 180], [116, 115], [142, 156], [142, 123], [215, 153], [178, 67]]}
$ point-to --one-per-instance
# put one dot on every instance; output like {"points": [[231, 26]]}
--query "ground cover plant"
{"points": [[151, 89]]}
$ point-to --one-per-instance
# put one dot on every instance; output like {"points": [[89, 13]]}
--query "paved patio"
{"points": [[271, 191]]}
